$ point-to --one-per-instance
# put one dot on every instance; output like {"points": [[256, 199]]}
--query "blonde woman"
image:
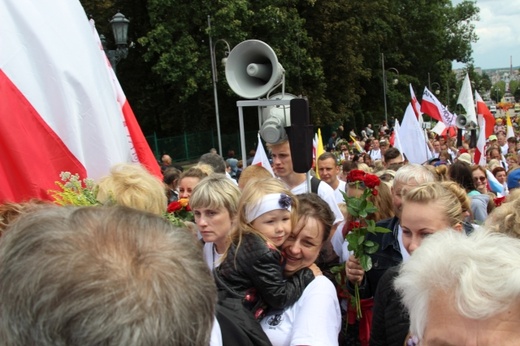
{"points": [[133, 186], [214, 203], [428, 208]]}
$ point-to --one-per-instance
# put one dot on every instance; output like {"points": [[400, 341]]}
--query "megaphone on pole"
{"points": [[461, 121], [275, 119], [252, 69]]}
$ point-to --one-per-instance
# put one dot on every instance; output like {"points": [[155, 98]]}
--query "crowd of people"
{"points": [[255, 263]]}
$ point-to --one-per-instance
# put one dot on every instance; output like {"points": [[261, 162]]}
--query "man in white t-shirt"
{"points": [[375, 151], [297, 182], [328, 170]]}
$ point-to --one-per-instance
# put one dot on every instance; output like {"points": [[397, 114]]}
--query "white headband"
{"points": [[268, 203]]}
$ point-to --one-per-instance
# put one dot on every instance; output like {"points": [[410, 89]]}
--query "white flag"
{"points": [[466, 100], [260, 158], [412, 138], [397, 139]]}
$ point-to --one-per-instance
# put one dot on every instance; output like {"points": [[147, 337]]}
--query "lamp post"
{"points": [[385, 87], [438, 89], [119, 24], [214, 72]]}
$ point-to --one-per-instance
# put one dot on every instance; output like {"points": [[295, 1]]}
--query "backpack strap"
{"points": [[315, 182]]}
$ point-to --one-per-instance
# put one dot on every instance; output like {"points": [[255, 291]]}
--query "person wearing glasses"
{"points": [[460, 172]]}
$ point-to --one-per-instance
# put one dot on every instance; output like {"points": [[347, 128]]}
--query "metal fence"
{"points": [[190, 146]]}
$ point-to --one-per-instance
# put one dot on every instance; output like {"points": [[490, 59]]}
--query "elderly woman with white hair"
{"points": [[463, 290]]}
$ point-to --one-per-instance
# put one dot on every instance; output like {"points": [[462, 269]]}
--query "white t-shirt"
{"points": [[216, 334], [337, 193], [326, 192], [211, 256], [375, 154], [339, 244], [315, 319]]}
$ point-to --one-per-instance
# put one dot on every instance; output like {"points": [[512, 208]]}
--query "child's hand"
{"points": [[315, 270]]}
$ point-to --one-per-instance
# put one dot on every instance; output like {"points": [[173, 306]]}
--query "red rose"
{"points": [[371, 181], [174, 206], [188, 208], [355, 175], [374, 192]]}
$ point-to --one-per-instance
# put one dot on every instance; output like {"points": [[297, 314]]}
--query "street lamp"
{"points": [[119, 24], [438, 90], [214, 72], [385, 87]]}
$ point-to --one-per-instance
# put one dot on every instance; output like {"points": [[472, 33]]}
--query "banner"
{"points": [[61, 108]]}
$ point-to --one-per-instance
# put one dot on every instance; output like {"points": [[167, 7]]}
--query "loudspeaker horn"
{"points": [[275, 119], [252, 69], [461, 121]]}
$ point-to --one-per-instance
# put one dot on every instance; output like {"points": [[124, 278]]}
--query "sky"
{"points": [[499, 34]]}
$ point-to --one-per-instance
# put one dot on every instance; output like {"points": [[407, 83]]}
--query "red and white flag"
{"points": [[480, 151], [260, 158], [61, 107], [433, 107], [416, 105], [489, 119]]}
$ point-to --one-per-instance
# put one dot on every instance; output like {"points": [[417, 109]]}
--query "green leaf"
{"points": [[360, 240], [372, 249], [369, 243], [366, 262], [382, 230]]}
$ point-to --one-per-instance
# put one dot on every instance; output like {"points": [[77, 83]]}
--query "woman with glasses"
{"points": [[461, 173]]}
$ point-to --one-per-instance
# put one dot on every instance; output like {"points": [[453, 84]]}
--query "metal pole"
{"points": [[384, 85], [214, 73]]}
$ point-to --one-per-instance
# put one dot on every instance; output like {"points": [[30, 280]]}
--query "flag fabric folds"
{"points": [[466, 100], [60, 109], [261, 158], [489, 119], [319, 150], [416, 105], [509, 127], [433, 107], [412, 139], [480, 151]]}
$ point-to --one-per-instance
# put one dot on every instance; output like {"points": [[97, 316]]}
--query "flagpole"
{"points": [[384, 86]]}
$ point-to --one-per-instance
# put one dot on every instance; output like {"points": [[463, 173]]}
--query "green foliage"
{"points": [[74, 191], [331, 51]]}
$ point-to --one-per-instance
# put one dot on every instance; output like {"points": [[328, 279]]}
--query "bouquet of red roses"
{"points": [[360, 224], [178, 212]]}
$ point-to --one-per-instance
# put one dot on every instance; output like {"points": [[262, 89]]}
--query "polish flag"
{"points": [[433, 107], [416, 105], [486, 113], [61, 107], [260, 158], [480, 151]]}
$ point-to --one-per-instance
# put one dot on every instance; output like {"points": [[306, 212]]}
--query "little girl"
{"points": [[251, 272]]}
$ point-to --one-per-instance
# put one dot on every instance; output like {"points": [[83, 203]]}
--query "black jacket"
{"points": [[255, 275], [390, 321], [388, 255]]}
